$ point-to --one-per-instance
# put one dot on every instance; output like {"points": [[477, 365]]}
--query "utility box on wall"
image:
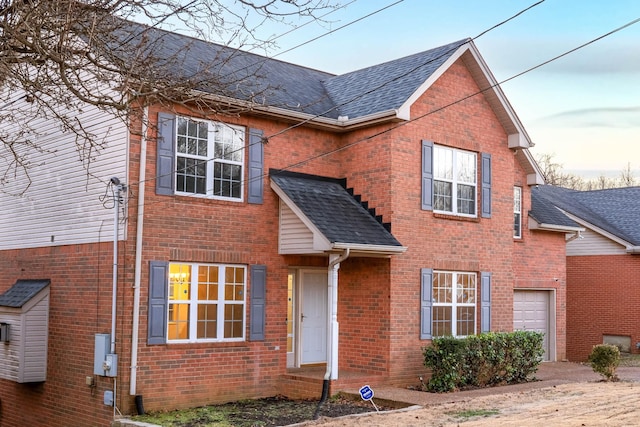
{"points": [[24, 331], [105, 364]]}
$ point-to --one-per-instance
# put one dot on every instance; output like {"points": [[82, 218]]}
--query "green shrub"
{"points": [[604, 359], [482, 360]]}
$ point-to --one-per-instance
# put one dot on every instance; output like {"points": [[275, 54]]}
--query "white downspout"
{"points": [[333, 329], [138, 261]]}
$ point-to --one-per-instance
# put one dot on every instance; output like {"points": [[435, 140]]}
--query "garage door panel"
{"points": [[531, 313]]}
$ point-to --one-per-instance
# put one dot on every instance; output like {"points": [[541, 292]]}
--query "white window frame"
{"points": [[449, 168], [517, 212], [454, 304], [232, 140], [193, 303]]}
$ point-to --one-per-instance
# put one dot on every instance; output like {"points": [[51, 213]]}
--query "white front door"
{"points": [[313, 317]]}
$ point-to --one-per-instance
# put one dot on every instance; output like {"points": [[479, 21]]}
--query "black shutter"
{"points": [[165, 169], [158, 300], [427, 175], [257, 310]]}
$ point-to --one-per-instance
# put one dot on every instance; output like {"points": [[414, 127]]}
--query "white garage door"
{"points": [[531, 313]]}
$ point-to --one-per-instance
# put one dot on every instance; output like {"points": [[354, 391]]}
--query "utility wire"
{"points": [[301, 123]]}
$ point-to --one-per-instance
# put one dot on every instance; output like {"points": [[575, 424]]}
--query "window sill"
{"points": [[455, 217]]}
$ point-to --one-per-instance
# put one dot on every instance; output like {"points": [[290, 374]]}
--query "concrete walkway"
{"points": [[549, 374]]}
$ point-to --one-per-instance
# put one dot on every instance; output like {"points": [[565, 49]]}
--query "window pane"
{"points": [[466, 167], [191, 175], [178, 328], [465, 323], [234, 288], [466, 288], [466, 199], [442, 288], [207, 321], [233, 320], [442, 163], [227, 180], [208, 282], [441, 321], [442, 196]]}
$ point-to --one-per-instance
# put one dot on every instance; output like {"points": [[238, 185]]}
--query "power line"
{"points": [[387, 82]]}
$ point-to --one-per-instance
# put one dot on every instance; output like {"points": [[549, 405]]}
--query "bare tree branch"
{"points": [[64, 55]]}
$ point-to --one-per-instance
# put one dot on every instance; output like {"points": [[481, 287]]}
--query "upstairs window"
{"points": [[517, 212], [454, 181], [209, 158]]}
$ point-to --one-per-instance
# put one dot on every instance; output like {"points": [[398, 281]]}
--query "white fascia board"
{"points": [[535, 225], [339, 124], [404, 112], [320, 242], [371, 249], [598, 230], [492, 84]]}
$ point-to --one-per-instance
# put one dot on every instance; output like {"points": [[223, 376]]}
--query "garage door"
{"points": [[531, 313]]}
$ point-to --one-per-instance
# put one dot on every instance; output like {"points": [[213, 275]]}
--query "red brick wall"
{"points": [[602, 299], [379, 298], [80, 307]]}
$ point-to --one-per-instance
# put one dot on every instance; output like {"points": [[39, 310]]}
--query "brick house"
{"points": [[317, 235], [603, 266]]}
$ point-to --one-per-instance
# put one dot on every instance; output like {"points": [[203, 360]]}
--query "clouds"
{"points": [[621, 117]]}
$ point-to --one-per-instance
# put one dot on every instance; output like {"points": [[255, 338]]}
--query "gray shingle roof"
{"points": [[386, 86], [22, 291], [615, 210], [335, 212], [379, 88]]}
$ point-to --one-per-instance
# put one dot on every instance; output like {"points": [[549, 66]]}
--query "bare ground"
{"points": [[574, 404]]}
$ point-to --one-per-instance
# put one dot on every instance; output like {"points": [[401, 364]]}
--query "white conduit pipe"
{"points": [[138, 262]]}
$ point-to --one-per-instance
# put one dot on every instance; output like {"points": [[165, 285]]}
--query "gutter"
{"points": [[138, 261], [332, 327], [342, 123], [633, 250]]}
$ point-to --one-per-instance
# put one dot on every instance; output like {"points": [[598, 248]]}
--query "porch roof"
{"points": [[336, 220]]}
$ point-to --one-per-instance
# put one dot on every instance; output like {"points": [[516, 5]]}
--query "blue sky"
{"points": [[584, 109]]}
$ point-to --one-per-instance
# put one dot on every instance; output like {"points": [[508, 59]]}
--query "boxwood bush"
{"points": [[483, 360]]}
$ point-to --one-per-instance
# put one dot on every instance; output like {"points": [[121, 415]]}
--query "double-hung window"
{"points": [[454, 303], [454, 181], [206, 302], [517, 212], [209, 158]]}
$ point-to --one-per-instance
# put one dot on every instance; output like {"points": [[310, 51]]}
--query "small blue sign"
{"points": [[366, 392]]}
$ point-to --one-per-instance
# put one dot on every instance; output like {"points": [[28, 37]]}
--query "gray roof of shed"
{"points": [[22, 291], [379, 88], [614, 210], [333, 210]]}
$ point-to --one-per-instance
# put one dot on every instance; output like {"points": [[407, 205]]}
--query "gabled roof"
{"points": [[615, 211], [383, 92], [387, 86], [21, 292], [325, 205]]}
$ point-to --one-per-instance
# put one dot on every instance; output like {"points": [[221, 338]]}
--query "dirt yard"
{"points": [[575, 404]]}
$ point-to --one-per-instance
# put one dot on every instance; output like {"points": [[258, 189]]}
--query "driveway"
{"points": [[567, 394]]}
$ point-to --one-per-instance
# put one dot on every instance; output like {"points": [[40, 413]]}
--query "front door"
{"points": [[313, 317]]}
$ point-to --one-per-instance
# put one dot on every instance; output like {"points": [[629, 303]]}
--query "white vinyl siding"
{"points": [[593, 243], [294, 236], [62, 204]]}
